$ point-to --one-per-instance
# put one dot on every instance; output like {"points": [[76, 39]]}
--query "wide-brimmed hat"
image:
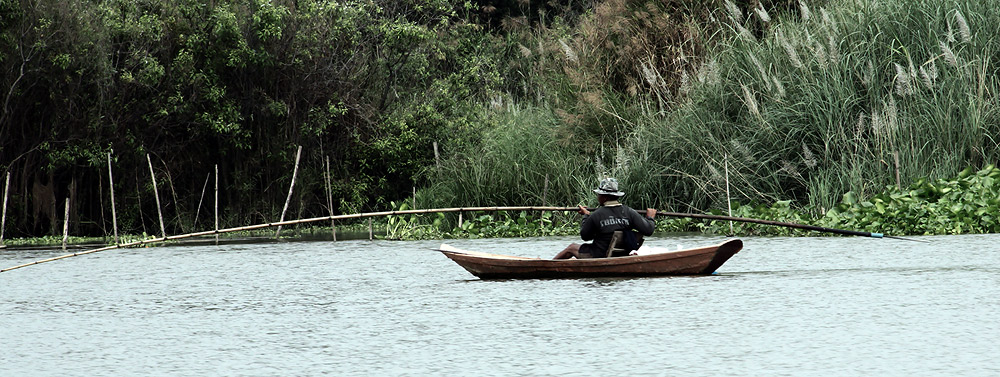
{"points": [[609, 186]]}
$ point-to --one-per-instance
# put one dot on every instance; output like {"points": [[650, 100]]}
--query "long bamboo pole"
{"points": [[329, 198], [66, 225], [200, 200], [3, 218], [288, 200], [447, 210], [216, 204], [111, 184], [729, 201], [156, 192]]}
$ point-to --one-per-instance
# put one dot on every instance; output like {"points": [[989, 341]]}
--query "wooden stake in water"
{"points": [[371, 235], [3, 218], [216, 204], [66, 225], [329, 198], [291, 187], [200, 200], [156, 192], [729, 201], [414, 197], [114, 214]]}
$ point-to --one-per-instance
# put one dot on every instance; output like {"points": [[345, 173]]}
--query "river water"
{"points": [[782, 306]]}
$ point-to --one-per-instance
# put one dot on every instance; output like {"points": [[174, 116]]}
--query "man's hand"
{"points": [[651, 213], [583, 210]]}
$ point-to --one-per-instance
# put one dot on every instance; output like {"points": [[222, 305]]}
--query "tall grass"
{"points": [[803, 106], [819, 107], [512, 165]]}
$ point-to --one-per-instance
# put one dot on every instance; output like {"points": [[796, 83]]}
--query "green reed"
{"points": [[806, 108], [819, 107]]}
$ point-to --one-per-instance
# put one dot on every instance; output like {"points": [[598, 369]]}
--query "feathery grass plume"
{"points": [[878, 127], [742, 150], [760, 69], [602, 171], [751, 102], [833, 49], [869, 73], [734, 12], [859, 128], [950, 34], [789, 168], [714, 173], [570, 54], [949, 56], [913, 70], [685, 86], [525, 52], [648, 74], [926, 78], [745, 33], [762, 13], [622, 161], [929, 73], [807, 156], [820, 53], [902, 81], [963, 27], [793, 56], [778, 86], [891, 114], [711, 73], [804, 11], [828, 21]]}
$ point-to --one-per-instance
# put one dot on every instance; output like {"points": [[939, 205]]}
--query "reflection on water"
{"points": [[782, 306]]}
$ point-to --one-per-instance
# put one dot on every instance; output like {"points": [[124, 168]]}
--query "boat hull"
{"points": [[696, 261]]}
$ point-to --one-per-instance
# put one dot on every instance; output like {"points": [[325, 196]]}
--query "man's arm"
{"points": [[587, 228], [644, 224]]}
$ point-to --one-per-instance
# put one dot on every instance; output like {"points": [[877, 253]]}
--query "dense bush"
{"points": [[368, 86]]}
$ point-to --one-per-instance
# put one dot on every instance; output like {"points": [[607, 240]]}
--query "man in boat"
{"points": [[600, 225]]}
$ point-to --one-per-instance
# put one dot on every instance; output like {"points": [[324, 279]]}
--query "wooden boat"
{"points": [[696, 261]]}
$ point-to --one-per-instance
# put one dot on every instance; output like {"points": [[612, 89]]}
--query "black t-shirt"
{"points": [[601, 225]]}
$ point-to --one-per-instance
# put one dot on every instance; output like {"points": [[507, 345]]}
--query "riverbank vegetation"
{"points": [[817, 106]]}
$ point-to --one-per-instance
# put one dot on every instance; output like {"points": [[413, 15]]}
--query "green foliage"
{"points": [[968, 203], [485, 225], [370, 85], [809, 109]]}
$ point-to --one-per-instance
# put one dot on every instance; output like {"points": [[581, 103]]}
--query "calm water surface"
{"points": [[782, 306]]}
